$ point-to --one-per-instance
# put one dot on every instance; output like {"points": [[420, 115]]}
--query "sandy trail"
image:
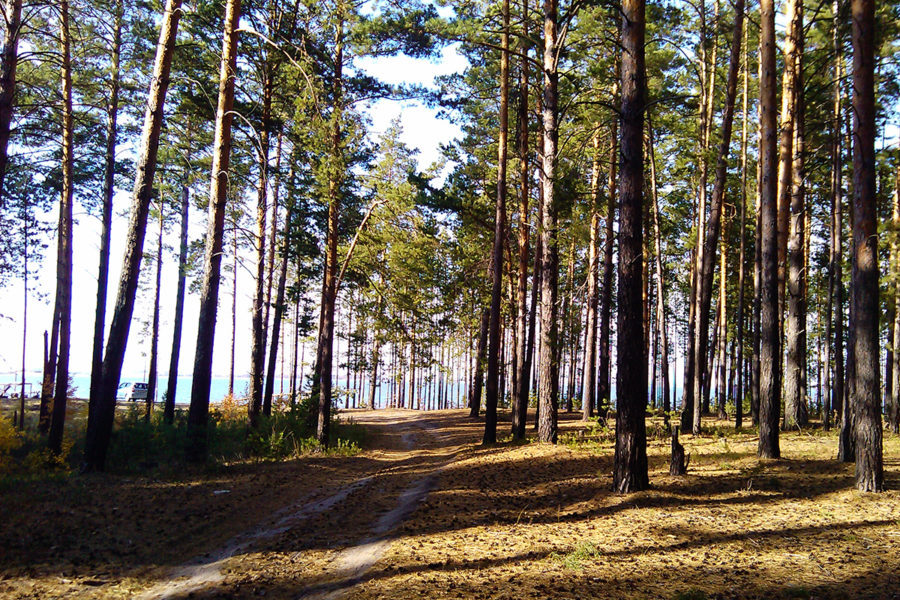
{"points": [[412, 447]]}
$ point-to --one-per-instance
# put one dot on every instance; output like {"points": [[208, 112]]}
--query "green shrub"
{"points": [[10, 441]]}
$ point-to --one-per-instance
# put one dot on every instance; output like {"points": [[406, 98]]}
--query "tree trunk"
{"points": [[739, 393], [593, 290], [789, 95], [478, 377], [413, 389], [373, 381], [171, 388], [258, 328], [103, 404], [349, 355], [866, 402], [12, 14], [64, 254], [630, 465], [893, 413], [154, 333], [49, 378], [757, 302], [25, 242], [687, 388], [548, 393], [109, 190], [570, 339], [539, 276], [234, 292], [834, 397], [660, 281], [795, 388], [708, 249], [722, 340], [604, 393], [523, 345], [296, 384], [494, 341], [218, 195], [273, 235], [536, 285], [279, 310], [329, 291], [846, 448], [694, 373], [769, 355], [887, 393]]}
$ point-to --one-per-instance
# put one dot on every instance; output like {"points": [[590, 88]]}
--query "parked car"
{"points": [[132, 391]]}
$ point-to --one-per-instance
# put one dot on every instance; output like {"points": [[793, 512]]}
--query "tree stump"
{"points": [[678, 463]]}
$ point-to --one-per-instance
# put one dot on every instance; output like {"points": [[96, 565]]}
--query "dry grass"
{"points": [[536, 521], [511, 521]]}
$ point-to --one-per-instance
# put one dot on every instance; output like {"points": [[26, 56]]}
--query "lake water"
{"points": [[218, 387]]}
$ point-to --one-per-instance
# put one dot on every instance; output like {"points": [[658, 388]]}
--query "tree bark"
{"points": [[630, 463], [478, 376], [154, 328], [604, 393], [795, 377], [866, 400], [789, 96], [279, 312], [834, 308], [103, 404], [329, 290], [523, 345], [64, 250], [589, 391], [739, 393], [25, 242], [258, 328], [893, 414], [295, 386], [769, 355], [234, 285], [494, 341], [757, 276], [373, 381], [711, 235], [846, 447], [49, 378], [270, 256], [548, 393], [694, 376], [218, 196], [660, 282], [533, 311], [172, 385], [568, 315], [722, 340], [109, 172], [12, 10]]}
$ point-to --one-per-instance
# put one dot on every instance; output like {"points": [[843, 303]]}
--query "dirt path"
{"points": [[413, 447]]}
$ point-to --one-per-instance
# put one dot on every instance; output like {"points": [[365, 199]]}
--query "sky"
{"points": [[422, 130]]}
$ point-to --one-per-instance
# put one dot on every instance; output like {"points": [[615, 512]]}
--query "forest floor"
{"points": [[425, 511]]}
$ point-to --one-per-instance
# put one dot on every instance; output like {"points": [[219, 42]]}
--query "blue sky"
{"points": [[423, 130]]}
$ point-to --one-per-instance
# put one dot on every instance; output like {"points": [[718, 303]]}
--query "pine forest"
{"points": [[450, 299]]}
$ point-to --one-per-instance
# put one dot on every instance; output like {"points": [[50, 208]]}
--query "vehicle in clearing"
{"points": [[132, 391]]}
